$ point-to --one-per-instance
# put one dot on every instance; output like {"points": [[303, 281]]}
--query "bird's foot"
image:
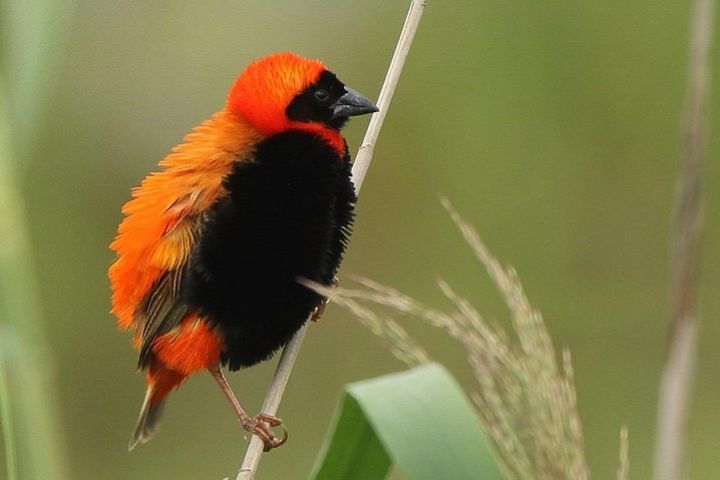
{"points": [[261, 425], [320, 309]]}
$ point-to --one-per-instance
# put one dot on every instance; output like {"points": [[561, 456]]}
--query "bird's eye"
{"points": [[321, 95]]}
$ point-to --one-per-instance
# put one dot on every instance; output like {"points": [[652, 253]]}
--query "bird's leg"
{"points": [[260, 424], [320, 309]]}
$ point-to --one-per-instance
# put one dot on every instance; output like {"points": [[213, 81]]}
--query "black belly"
{"points": [[288, 215]]}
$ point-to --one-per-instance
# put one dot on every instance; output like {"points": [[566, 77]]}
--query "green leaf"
{"points": [[420, 421]]}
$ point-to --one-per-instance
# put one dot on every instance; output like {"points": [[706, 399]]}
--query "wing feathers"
{"points": [[164, 310], [161, 220]]}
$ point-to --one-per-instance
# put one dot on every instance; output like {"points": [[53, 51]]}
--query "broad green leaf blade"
{"points": [[354, 452], [421, 418]]}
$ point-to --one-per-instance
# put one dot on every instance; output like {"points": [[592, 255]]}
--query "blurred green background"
{"points": [[552, 126]]}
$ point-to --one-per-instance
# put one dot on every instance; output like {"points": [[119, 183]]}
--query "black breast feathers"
{"points": [[288, 214]]}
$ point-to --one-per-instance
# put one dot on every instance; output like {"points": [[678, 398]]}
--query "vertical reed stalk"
{"points": [[22, 343], [6, 423], [676, 384], [30, 57]]}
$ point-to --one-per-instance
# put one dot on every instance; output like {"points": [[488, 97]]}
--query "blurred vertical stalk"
{"points": [[6, 423], [23, 345], [31, 41], [677, 378]]}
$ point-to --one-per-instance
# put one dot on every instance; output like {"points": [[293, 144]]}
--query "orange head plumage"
{"points": [[263, 91], [285, 91]]}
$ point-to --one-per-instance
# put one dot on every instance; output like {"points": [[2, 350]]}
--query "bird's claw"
{"points": [[320, 309], [261, 425]]}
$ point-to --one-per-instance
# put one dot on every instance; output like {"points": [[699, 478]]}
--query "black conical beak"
{"points": [[351, 104]]}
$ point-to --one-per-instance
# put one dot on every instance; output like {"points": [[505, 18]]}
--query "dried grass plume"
{"points": [[524, 391]]}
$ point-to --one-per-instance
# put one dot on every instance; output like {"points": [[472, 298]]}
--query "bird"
{"points": [[212, 246]]}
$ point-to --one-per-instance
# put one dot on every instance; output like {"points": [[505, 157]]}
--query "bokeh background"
{"points": [[552, 126]]}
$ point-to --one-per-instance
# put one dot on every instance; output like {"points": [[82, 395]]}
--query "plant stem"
{"points": [[8, 432], [22, 340], [679, 371], [402, 49], [360, 168]]}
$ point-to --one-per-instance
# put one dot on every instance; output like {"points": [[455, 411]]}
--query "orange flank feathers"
{"points": [[156, 237], [190, 347], [157, 233]]}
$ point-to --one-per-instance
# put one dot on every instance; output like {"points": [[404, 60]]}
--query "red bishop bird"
{"points": [[212, 245]]}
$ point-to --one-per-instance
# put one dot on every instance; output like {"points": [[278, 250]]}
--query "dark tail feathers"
{"points": [[160, 382], [147, 420]]}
